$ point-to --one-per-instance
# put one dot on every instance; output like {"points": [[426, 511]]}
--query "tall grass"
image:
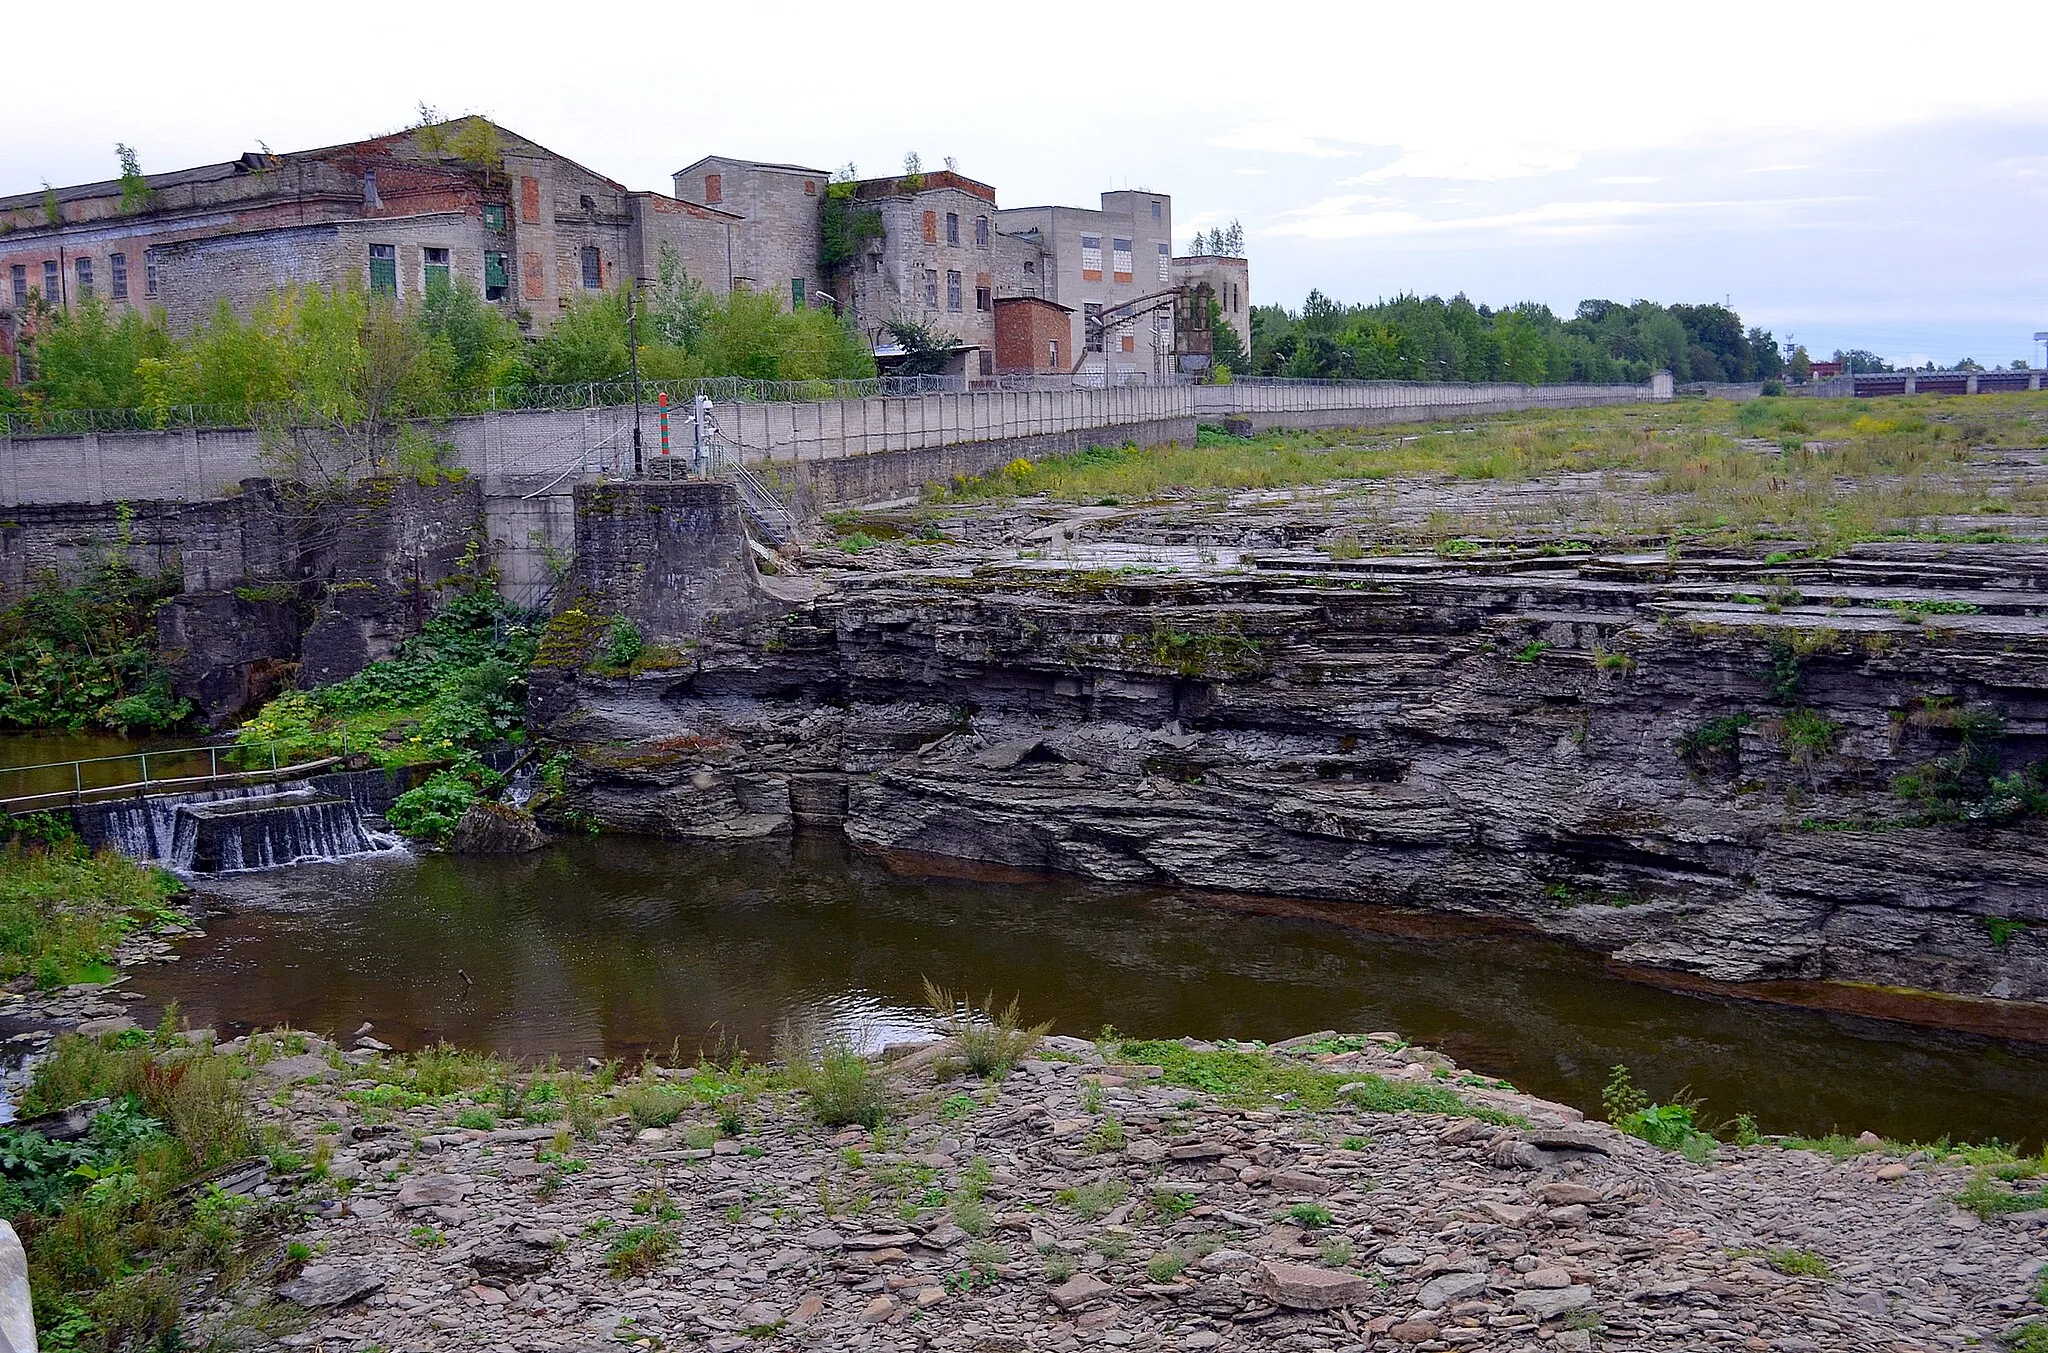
{"points": [[63, 909]]}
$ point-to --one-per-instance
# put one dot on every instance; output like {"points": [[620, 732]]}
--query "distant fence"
{"points": [[1261, 406]]}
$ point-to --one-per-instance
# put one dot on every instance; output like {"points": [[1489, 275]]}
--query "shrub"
{"points": [[622, 643], [638, 1250], [1714, 737], [430, 812], [652, 1103], [842, 1086], [1166, 1265], [1309, 1214], [1090, 1201], [992, 1040]]}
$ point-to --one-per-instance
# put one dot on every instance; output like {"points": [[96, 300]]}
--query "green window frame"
{"points": [[796, 293], [383, 270], [497, 277], [494, 216], [434, 270]]}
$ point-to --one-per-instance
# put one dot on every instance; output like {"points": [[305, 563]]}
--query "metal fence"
{"points": [[556, 398]]}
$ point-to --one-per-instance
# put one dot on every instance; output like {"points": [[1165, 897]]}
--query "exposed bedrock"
{"points": [[1506, 739]]}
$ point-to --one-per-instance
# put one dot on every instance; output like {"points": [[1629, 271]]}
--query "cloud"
{"points": [[1480, 161], [1624, 180], [1355, 216], [1778, 169]]}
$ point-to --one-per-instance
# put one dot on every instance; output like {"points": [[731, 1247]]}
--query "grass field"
{"points": [[1831, 472]]}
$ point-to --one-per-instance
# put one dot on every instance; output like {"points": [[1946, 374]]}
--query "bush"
{"points": [[842, 1086], [992, 1040], [63, 909], [622, 643], [430, 812], [653, 1103]]}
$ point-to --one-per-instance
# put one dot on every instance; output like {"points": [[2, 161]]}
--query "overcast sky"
{"points": [[1869, 177]]}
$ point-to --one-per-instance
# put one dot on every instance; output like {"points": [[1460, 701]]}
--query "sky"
{"points": [[1871, 178]]}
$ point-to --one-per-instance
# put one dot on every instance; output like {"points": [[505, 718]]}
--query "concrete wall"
{"points": [[1251, 407]]}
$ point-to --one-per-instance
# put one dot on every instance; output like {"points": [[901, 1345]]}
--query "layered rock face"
{"points": [[1670, 760]]}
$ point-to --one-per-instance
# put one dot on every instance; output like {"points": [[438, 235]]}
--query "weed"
{"points": [[842, 1086], [1809, 735], [1107, 1135], [1090, 1201], [652, 1102], [1111, 1244], [1714, 737], [1059, 1266], [1259, 1080], [958, 1107], [1166, 1265], [1672, 1127], [476, 1120], [1172, 1204], [992, 1039], [640, 1249], [1311, 1215], [1355, 1143], [973, 1216], [1091, 1096], [2002, 928], [1337, 1253], [1533, 650], [428, 1237]]}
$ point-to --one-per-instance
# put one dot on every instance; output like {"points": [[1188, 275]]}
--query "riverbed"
{"points": [[618, 946]]}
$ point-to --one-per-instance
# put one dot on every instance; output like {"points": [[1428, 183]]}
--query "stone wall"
{"points": [[887, 475], [669, 556], [1248, 407]]}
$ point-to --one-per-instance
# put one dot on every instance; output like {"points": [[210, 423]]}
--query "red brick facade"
{"points": [[1032, 335]]}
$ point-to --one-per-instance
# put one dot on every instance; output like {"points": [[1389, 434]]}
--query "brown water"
{"points": [[33, 763], [611, 946]]}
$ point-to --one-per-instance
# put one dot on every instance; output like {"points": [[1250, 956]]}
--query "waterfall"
{"points": [[230, 830]]}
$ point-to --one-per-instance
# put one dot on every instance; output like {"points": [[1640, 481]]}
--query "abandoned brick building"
{"points": [[397, 214]]}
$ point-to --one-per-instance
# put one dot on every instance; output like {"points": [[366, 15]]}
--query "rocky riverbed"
{"points": [[1087, 1202]]}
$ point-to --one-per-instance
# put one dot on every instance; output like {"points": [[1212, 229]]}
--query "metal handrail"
{"points": [[143, 788], [79, 789]]}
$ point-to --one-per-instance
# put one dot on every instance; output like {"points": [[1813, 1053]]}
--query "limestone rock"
{"points": [[320, 1286], [488, 828], [1307, 1288], [1549, 1303]]}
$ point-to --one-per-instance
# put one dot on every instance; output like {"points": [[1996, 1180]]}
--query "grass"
{"points": [[63, 909], [1311, 1215], [653, 1103], [638, 1250], [1166, 1265], [1792, 1262], [116, 1240], [1255, 1079], [1859, 470], [992, 1039], [1090, 1201], [841, 1086]]}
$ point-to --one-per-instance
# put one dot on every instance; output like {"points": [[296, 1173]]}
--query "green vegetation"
{"points": [[85, 656], [1671, 1127], [842, 1086], [454, 690], [115, 1237], [1714, 737], [1166, 1265], [638, 1250], [63, 909], [1311, 1215], [430, 812], [991, 1039], [652, 1102], [1431, 339], [346, 359], [1093, 1200], [1967, 786], [1258, 1079], [1809, 735]]}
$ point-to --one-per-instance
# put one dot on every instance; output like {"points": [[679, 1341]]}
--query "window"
{"points": [[149, 272], [383, 270], [52, 282], [981, 232], [435, 269], [1165, 264], [1130, 343], [931, 227], [952, 291], [810, 187], [1091, 325], [1163, 325], [988, 362], [1155, 211], [1052, 354], [84, 278], [952, 227], [796, 293], [1091, 258], [118, 265], [931, 289], [18, 274], [494, 216], [984, 299], [370, 198], [1030, 267], [497, 282], [1120, 260], [714, 187], [593, 268]]}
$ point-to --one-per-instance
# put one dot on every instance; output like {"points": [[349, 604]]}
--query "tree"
{"points": [[136, 194], [1799, 367], [1857, 361], [926, 352]]}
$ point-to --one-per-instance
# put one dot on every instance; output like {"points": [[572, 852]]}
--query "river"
{"points": [[614, 946]]}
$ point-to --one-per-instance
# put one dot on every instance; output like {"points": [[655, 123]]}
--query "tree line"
{"points": [[341, 356], [1430, 338]]}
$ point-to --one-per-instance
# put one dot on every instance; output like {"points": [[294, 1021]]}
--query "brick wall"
{"points": [[1032, 335]]}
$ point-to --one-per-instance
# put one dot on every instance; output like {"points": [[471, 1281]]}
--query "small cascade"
{"points": [[231, 830]]}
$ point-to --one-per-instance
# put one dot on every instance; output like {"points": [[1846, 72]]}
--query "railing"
{"points": [[180, 777]]}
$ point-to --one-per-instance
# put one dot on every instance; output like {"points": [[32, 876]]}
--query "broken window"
{"points": [[118, 265], [984, 299], [84, 279], [149, 272], [1165, 264], [383, 270], [370, 198], [497, 283], [18, 274], [1091, 258], [1052, 354], [494, 216], [435, 268], [931, 227], [1155, 211], [1091, 325], [796, 293], [952, 227], [988, 362], [981, 232], [952, 291], [931, 288], [593, 268], [53, 281], [1120, 260]]}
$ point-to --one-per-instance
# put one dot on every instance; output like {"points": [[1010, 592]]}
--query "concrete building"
{"points": [[1114, 262], [395, 215], [933, 262], [1230, 279], [775, 208]]}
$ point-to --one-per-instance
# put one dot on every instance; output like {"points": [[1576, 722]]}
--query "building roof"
{"points": [[937, 178], [256, 161], [752, 164], [1211, 258], [705, 208], [1034, 300]]}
